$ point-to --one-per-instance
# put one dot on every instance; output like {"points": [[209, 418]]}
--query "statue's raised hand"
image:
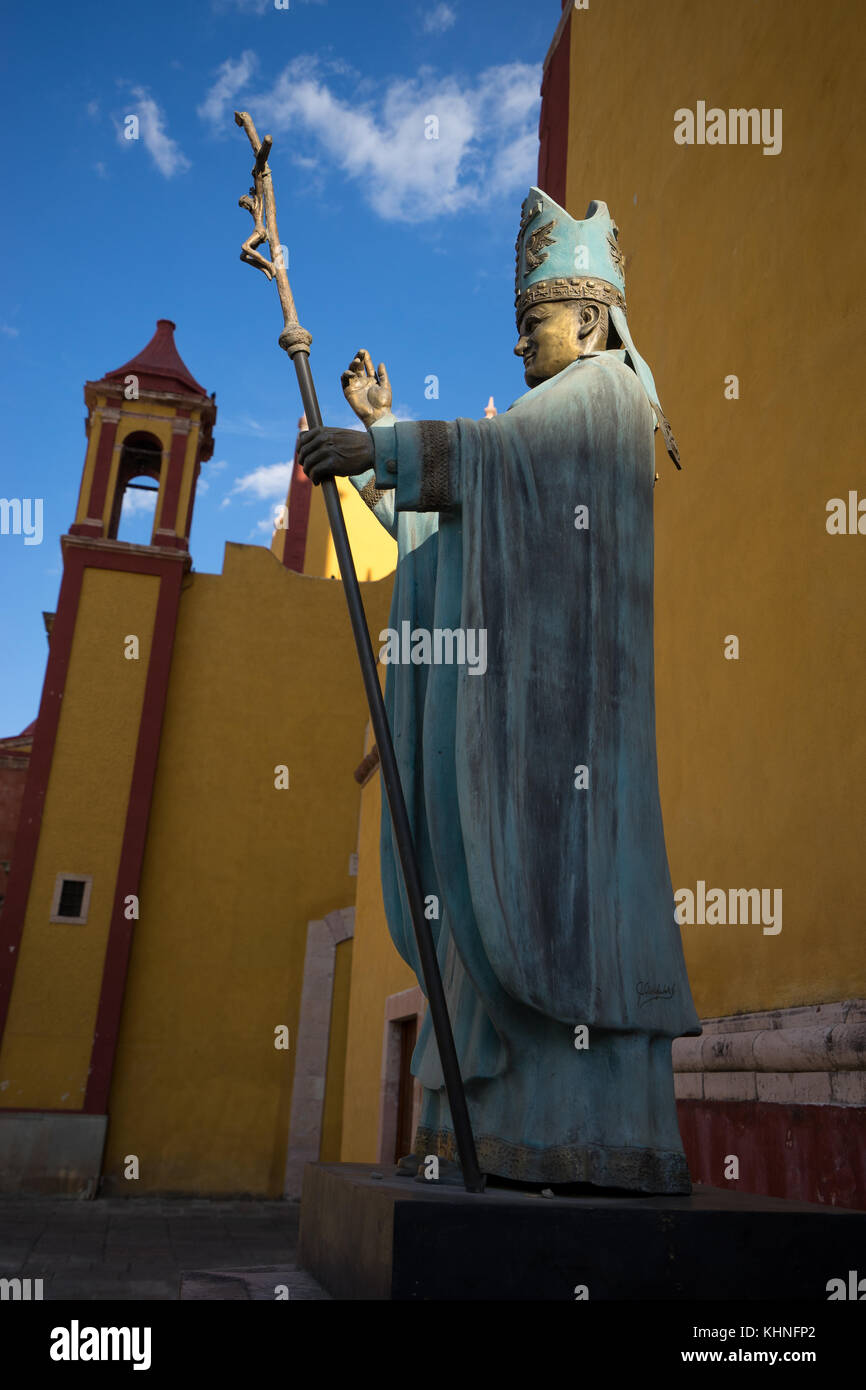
{"points": [[367, 391]]}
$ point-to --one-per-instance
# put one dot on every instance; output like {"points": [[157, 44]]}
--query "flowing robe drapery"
{"points": [[555, 900]]}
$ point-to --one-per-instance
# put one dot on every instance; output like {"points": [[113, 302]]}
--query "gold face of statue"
{"points": [[554, 333]]}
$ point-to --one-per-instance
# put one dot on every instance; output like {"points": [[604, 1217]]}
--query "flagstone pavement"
{"points": [[144, 1248]]}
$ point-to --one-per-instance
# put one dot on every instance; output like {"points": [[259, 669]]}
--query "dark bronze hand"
{"points": [[329, 453]]}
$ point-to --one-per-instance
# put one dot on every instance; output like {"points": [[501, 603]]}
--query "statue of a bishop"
{"points": [[532, 784]]}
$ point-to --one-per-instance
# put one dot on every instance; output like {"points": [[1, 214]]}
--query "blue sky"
{"points": [[397, 243]]}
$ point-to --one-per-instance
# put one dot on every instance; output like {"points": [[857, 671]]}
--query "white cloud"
{"points": [[135, 503], [487, 134], [516, 165], [437, 20], [266, 525], [100, 169], [231, 78], [92, 109], [165, 152], [8, 330], [217, 467], [271, 481]]}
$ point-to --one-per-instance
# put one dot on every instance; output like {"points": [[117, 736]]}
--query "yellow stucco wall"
{"points": [[377, 971], [263, 673], [745, 263], [373, 550], [188, 477], [89, 462], [49, 1034]]}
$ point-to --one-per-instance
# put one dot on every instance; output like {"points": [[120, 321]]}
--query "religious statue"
{"points": [[532, 784]]}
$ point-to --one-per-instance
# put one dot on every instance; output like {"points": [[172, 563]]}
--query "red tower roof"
{"points": [[159, 366]]}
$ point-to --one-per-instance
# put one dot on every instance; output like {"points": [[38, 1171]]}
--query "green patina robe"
{"points": [[555, 900]]}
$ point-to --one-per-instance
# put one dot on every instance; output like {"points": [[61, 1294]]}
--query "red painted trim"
{"points": [[187, 525], [553, 121], [168, 519], [134, 837], [810, 1153], [170, 571], [300, 494], [44, 738], [160, 363], [102, 469], [171, 542], [128, 558]]}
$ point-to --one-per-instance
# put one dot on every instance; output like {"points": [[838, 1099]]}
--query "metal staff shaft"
{"points": [[296, 342]]}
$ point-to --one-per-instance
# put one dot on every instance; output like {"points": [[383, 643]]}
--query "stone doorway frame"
{"points": [[311, 1054], [408, 1004]]}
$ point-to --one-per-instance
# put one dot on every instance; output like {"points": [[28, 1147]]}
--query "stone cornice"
{"points": [[124, 547], [809, 1055], [115, 391], [819, 1037]]}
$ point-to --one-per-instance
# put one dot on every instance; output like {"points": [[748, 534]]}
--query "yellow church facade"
{"points": [[170, 859]]}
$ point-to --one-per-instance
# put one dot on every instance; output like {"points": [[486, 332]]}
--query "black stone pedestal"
{"points": [[394, 1238]]}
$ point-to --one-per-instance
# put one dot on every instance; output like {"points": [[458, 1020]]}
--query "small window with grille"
{"points": [[71, 899]]}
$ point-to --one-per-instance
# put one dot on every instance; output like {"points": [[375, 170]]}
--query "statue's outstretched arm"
{"points": [[420, 461]]}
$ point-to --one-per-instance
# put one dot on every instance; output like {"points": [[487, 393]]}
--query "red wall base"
{"points": [[814, 1153], [13, 776]]}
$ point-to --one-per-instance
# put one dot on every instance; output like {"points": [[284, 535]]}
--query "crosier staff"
{"points": [[296, 342]]}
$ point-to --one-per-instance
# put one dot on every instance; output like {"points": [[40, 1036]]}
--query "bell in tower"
{"points": [[149, 428]]}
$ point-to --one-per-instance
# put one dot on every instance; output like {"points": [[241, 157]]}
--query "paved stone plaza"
{"points": [[139, 1248]]}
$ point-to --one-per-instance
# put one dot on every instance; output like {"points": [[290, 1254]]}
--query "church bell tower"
{"points": [[72, 907], [146, 419]]}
